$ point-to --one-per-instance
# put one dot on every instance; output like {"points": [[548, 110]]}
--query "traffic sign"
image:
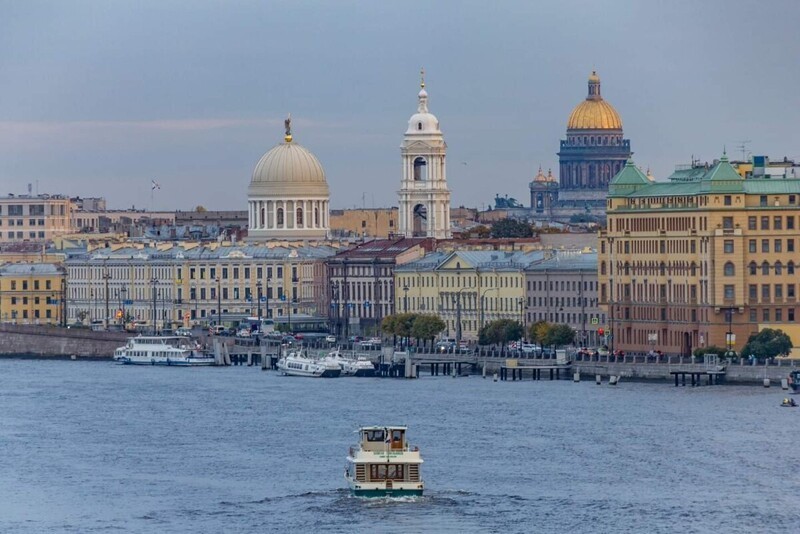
{"points": [[595, 320]]}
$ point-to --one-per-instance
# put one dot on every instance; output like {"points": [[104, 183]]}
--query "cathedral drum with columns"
{"points": [[424, 196], [594, 151], [288, 196]]}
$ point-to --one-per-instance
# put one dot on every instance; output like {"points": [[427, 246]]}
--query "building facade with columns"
{"points": [[465, 288], [424, 198], [288, 196], [182, 285]]}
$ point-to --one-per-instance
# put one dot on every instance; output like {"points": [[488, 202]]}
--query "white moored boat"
{"points": [[382, 464], [298, 364], [360, 366], [162, 350]]}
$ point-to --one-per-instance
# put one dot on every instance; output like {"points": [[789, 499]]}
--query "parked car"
{"points": [[529, 349], [330, 338], [184, 332], [355, 339], [445, 346]]}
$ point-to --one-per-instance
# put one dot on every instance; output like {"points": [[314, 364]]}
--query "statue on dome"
{"points": [[288, 125]]}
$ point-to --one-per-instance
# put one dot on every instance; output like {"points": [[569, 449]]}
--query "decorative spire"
{"points": [[423, 94], [422, 78], [288, 126]]}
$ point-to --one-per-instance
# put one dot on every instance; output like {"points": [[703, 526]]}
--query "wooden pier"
{"points": [[696, 376], [536, 370]]}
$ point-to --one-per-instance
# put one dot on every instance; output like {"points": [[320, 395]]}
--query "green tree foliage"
{"points": [[200, 209], [538, 332], [560, 334], [768, 343], [711, 349], [500, 332], [427, 327], [511, 228]]}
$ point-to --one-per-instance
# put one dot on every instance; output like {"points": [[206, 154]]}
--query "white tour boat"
{"points": [[295, 363], [162, 350], [382, 464], [360, 366]]}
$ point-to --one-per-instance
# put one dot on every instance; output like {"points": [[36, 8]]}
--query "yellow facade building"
{"points": [[31, 293], [367, 222], [465, 288], [34, 218], [704, 259]]}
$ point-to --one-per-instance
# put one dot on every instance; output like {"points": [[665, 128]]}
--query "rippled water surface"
{"points": [[97, 447]]}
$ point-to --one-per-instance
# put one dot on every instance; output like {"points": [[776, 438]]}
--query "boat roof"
{"points": [[390, 427]]}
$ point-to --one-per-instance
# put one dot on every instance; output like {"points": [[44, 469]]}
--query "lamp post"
{"points": [[457, 302], [92, 314], [219, 301], [521, 304], [154, 281], [124, 292], [258, 306], [729, 341], [292, 299], [106, 277], [266, 297], [335, 306], [483, 296], [194, 298], [405, 298]]}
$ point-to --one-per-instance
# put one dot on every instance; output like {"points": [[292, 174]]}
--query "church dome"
{"points": [[594, 113], [423, 121], [290, 167]]}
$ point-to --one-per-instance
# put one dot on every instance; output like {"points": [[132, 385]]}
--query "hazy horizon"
{"points": [[98, 99]]}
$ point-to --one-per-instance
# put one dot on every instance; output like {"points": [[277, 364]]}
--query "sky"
{"points": [[100, 98]]}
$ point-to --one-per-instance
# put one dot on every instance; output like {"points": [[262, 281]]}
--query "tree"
{"points": [[711, 349], [200, 209], [481, 231], [538, 332], [427, 327], [560, 334], [500, 332], [511, 228], [768, 343]]}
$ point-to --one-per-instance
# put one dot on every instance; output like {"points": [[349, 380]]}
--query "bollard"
{"points": [[576, 376], [784, 384], [484, 371], [495, 377], [766, 382], [598, 379]]}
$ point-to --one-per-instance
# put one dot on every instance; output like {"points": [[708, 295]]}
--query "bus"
{"points": [[304, 326]]}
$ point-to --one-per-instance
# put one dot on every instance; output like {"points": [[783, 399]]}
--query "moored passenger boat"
{"points": [[382, 464], [360, 366], [295, 363], [162, 350]]}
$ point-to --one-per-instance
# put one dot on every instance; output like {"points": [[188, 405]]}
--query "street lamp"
{"points": [[335, 305], [194, 298], [106, 277], [729, 342], [219, 301], [124, 292], [154, 281], [266, 306], [483, 296], [405, 298], [258, 307]]}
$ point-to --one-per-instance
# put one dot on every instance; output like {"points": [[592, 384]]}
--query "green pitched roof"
{"points": [[627, 181], [722, 178]]}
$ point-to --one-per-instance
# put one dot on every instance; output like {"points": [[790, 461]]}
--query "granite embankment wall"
{"points": [[734, 373], [54, 342]]}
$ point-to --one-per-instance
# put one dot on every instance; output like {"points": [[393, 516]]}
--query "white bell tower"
{"points": [[424, 196]]}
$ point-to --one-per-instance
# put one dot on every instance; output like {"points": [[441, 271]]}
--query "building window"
{"points": [[753, 292], [299, 216], [765, 269], [778, 291], [730, 291], [730, 270], [765, 245], [790, 245], [727, 200], [777, 222], [778, 245], [790, 313], [751, 223], [280, 216], [765, 223], [753, 316], [765, 292], [790, 268], [728, 246], [727, 222], [765, 315], [752, 246], [790, 291], [763, 200], [778, 268]]}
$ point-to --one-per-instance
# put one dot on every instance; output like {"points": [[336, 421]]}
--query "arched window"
{"points": [[730, 270], [693, 269], [765, 268], [662, 269], [419, 126], [280, 217], [299, 216], [316, 216], [420, 169], [778, 268], [790, 268], [602, 267], [753, 268], [627, 268]]}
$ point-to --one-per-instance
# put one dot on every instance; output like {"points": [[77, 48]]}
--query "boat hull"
{"points": [[377, 493], [364, 372], [165, 363], [330, 373]]}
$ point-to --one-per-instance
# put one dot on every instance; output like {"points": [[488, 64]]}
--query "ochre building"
{"points": [[705, 258]]}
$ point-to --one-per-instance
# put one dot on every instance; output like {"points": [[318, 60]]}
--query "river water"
{"points": [[98, 447]]}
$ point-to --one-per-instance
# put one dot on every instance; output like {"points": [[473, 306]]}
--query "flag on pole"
{"points": [[155, 186]]}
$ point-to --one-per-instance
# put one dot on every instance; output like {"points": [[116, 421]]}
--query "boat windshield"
{"points": [[374, 435]]}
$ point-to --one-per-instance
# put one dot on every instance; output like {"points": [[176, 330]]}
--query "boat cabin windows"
{"points": [[387, 472], [374, 435], [378, 439]]}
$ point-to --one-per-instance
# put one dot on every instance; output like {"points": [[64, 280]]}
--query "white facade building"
{"points": [[288, 197], [424, 196]]}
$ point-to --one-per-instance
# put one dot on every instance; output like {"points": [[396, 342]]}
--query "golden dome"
{"points": [[540, 177], [594, 113]]}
